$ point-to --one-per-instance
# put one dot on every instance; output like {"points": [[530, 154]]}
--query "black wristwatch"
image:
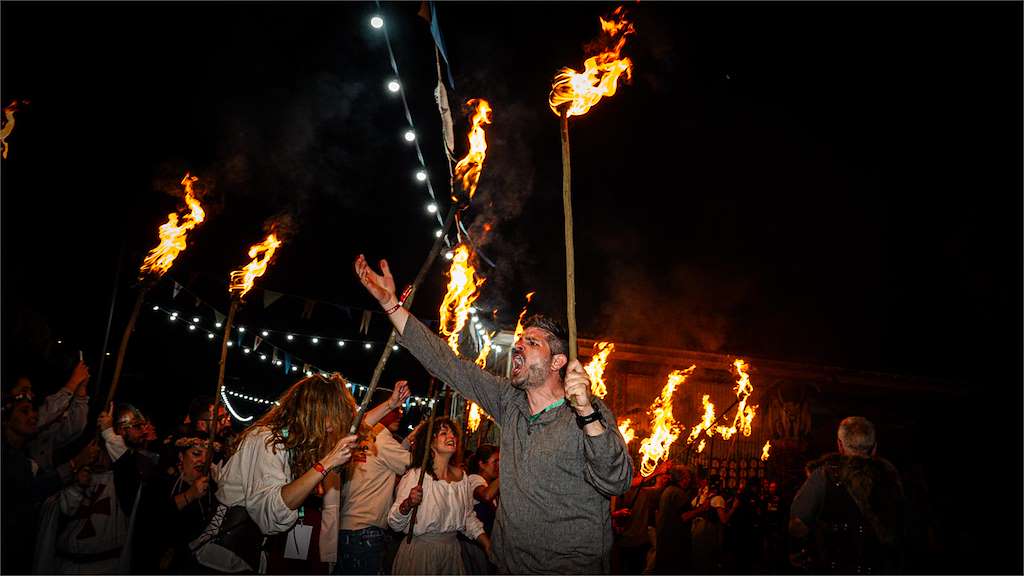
{"points": [[594, 416]]}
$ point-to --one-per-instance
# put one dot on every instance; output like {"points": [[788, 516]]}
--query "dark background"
{"points": [[830, 183]]}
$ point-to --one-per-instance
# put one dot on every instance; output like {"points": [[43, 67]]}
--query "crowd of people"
{"points": [[296, 492]]}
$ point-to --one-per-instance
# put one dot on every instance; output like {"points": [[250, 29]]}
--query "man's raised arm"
{"points": [[433, 353]]}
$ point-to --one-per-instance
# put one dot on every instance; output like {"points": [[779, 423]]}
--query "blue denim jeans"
{"points": [[361, 551]]}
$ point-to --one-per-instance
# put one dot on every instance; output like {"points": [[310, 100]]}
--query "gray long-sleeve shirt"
{"points": [[556, 481]]}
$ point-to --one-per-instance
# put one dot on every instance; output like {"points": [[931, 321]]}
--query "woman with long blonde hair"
{"points": [[279, 460]]}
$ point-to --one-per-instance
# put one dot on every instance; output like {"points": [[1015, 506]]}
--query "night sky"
{"points": [[830, 183]]}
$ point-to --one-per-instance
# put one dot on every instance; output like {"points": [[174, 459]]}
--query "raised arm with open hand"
{"points": [[382, 287]]}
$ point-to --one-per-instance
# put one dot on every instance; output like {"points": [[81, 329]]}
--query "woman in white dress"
{"points": [[445, 504]]}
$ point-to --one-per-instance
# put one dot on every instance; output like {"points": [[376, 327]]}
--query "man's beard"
{"points": [[528, 377]]}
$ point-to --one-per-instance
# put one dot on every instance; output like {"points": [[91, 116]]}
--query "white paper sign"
{"points": [[297, 544]]}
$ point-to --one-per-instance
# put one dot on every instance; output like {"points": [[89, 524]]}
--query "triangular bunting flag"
{"points": [[307, 311], [287, 363], [447, 126], [218, 317], [256, 343], [177, 288], [269, 297], [364, 324]]}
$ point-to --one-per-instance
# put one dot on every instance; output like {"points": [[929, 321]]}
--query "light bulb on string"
{"points": [[421, 175], [241, 328], [394, 86], [409, 135], [432, 208], [219, 324], [195, 319], [437, 233], [368, 345], [263, 356], [191, 326], [290, 337], [230, 344], [377, 22], [316, 340], [209, 335], [246, 350], [156, 308], [394, 347], [448, 255], [264, 333], [341, 343]]}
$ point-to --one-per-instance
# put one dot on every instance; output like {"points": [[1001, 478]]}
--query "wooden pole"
{"points": [[220, 374], [570, 259], [128, 329], [379, 370], [426, 450]]}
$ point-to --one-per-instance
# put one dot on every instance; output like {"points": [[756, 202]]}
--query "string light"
{"points": [[409, 136], [341, 343], [156, 307], [448, 255], [394, 86], [241, 329], [209, 335], [421, 175], [290, 337], [432, 208], [191, 326], [265, 333], [263, 356], [437, 233], [247, 350], [230, 343], [230, 408], [316, 340], [219, 324], [195, 319], [368, 345], [394, 347], [377, 22]]}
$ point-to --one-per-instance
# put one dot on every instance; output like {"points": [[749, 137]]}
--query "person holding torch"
{"points": [[562, 457]]}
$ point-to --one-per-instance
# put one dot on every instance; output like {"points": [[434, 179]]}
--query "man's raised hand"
{"points": [[399, 394], [577, 388], [380, 286]]}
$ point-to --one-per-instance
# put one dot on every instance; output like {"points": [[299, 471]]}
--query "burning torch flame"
{"points": [[700, 447], [474, 417], [462, 292], [481, 359], [8, 125], [242, 280], [744, 417], [664, 430], [581, 90], [626, 429], [706, 422], [519, 324], [595, 368], [468, 169], [764, 451], [172, 235]]}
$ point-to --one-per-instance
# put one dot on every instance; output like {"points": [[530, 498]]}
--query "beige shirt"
{"points": [[368, 489]]}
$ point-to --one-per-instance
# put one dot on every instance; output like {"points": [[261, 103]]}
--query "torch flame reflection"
{"points": [[764, 451]]}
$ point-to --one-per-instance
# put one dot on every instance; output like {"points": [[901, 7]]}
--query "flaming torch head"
{"points": [[7, 124], [473, 420], [626, 429], [467, 171], [241, 281], [595, 368], [462, 292], [519, 324], [764, 451], [664, 429], [579, 91], [173, 235]]}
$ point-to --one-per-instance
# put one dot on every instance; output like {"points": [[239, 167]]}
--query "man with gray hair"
{"points": [[850, 514]]}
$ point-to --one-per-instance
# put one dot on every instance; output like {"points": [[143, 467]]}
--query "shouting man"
{"points": [[562, 457]]}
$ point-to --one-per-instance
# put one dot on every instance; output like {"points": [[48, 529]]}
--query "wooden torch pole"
{"points": [[570, 260], [220, 374], [119, 363]]}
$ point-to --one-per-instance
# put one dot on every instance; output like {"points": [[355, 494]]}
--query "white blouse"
{"points": [[446, 506], [253, 477]]}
